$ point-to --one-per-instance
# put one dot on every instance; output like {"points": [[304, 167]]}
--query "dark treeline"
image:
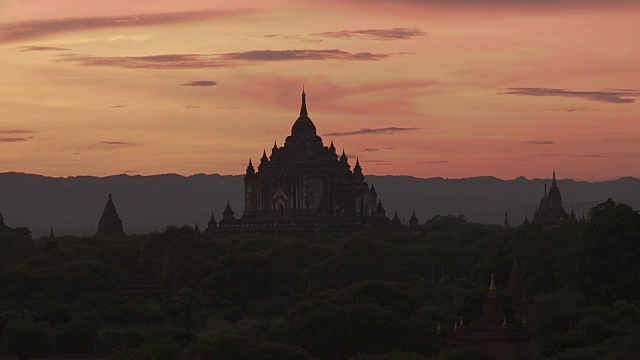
{"points": [[371, 295]]}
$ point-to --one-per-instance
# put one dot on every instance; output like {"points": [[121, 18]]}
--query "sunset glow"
{"points": [[409, 87]]}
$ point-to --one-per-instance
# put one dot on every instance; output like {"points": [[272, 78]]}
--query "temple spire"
{"points": [[110, 224], [303, 107], [553, 182], [492, 287]]}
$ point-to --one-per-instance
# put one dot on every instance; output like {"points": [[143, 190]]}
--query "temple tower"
{"points": [[110, 224]]}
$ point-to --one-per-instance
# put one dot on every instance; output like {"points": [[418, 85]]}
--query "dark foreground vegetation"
{"points": [[368, 296]]}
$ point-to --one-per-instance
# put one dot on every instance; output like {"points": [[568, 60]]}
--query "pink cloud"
{"points": [[32, 29], [17, 132], [15, 139], [497, 6], [200, 61]]}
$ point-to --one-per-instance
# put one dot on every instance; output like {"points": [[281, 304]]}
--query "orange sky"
{"points": [[414, 87]]}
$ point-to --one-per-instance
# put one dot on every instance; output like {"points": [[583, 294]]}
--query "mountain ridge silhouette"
{"points": [[72, 205]]}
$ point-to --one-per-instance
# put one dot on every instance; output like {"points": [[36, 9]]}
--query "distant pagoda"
{"points": [[550, 211], [110, 225], [492, 333]]}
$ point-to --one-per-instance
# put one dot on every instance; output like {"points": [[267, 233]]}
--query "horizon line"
{"points": [[390, 175]]}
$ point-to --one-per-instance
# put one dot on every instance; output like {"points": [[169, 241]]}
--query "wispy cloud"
{"points": [[370, 149], [189, 106], [285, 55], [15, 139], [17, 132], [545, 155], [32, 29], [375, 34], [594, 155], [498, 5], [41, 48], [538, 142], [615, 96], [433, 162], [199, 61], [117, 106], [365, 131], [574, 109], [117, 143], [201, 83], [294, 37]]}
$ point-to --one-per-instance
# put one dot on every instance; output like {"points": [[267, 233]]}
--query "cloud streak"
{"points": [[116, 143], [536, 142], [501, 5], [590, 156], [434, 162], [200, 83], [365, 131], [33, 29], [200, 61], [15, 139], [17, 132], [616, 96], [375, 34], [41, 48], [286, 55]]}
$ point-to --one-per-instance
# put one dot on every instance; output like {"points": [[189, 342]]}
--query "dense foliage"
{"points": [[377, 294]]}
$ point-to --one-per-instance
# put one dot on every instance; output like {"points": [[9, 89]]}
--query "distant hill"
{"points": [[146, 203]]}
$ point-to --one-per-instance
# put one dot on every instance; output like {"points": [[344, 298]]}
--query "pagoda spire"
{"points": [[110, 224], [51, 234], [250, 169], [553, 182], [492, 287], [303, 107]]}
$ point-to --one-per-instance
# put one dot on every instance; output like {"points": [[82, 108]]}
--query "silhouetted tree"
{"points": [[608, 260]]}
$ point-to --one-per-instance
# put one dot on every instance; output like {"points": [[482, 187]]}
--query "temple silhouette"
{"points": [[550, 211], [110, 224], [492, 333], [303, 187]]}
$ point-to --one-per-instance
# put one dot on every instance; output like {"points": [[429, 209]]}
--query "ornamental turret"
{"points": [[357, 170], [212, 225], [395, 222], [492, 308], [554, 197], [413, 221], [380, 209], [250, 170], [228, 216]]}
